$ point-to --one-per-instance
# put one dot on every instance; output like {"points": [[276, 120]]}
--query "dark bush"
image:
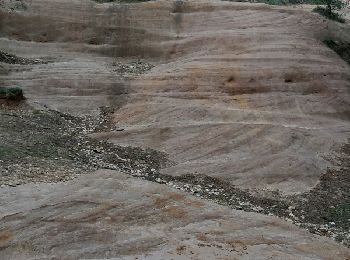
{"points": [[15, 93], [328, 13], [341, 48]]}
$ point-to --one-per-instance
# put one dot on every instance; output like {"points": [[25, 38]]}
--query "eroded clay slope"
{"points": [[249, 94], [246, 93]]}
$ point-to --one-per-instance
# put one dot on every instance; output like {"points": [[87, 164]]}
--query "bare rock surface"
{"points": [[247, 94], [108, 214]]}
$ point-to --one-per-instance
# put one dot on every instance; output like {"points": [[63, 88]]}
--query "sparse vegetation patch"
{"points": [[136, 67], [13, 59]]}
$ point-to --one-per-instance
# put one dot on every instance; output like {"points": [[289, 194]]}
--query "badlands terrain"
{"points": [[173, 129]]}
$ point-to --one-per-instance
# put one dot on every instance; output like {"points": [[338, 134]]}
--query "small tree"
{"points": [[14, 93], [333, 5]]}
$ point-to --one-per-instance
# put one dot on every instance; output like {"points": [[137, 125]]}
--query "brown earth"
{"points": [[245, 93]]}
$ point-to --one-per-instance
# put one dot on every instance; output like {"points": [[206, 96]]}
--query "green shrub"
{"points": [[178, 6], [341, 48], [328, 13], [15, 93], [340, 213], [284, 2]]}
